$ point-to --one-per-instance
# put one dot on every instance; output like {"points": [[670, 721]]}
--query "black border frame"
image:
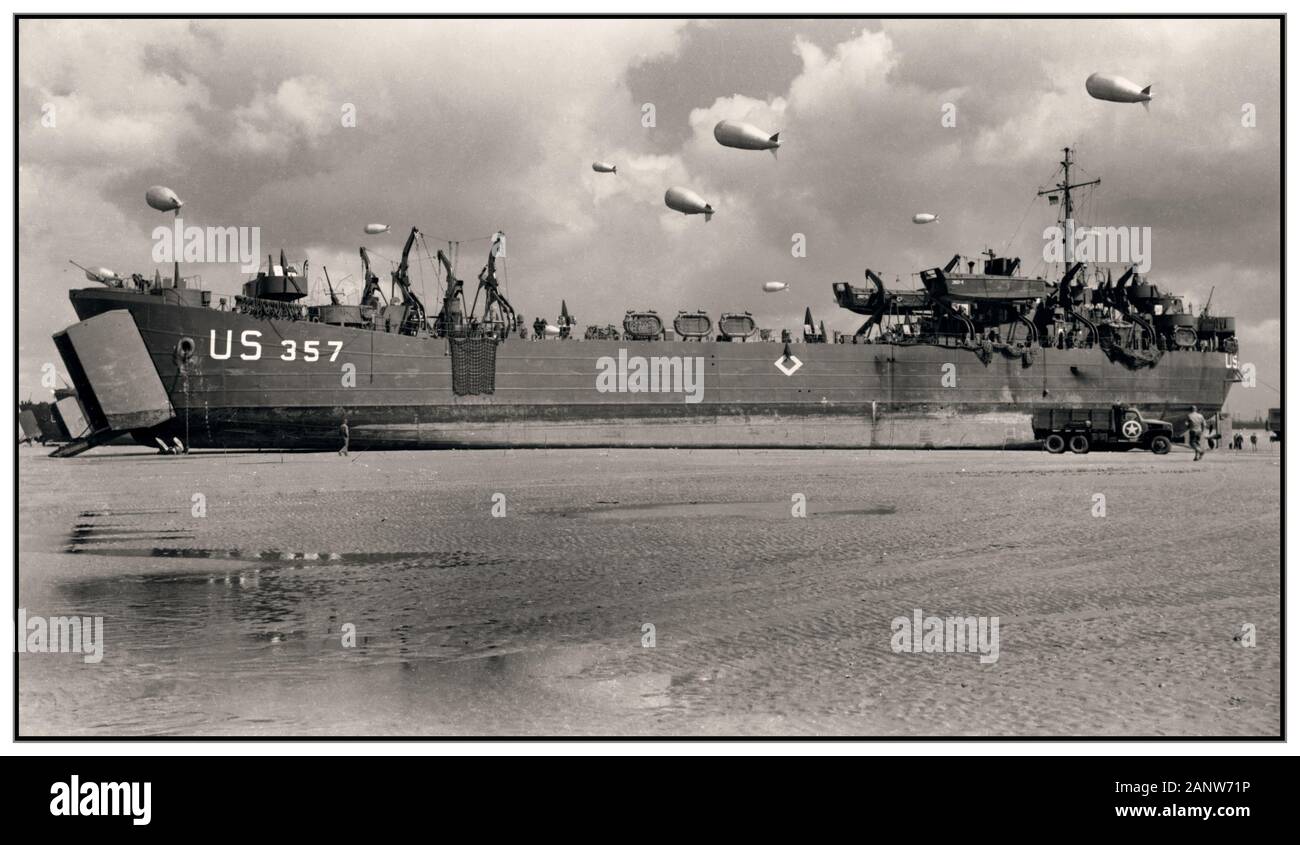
{"points": [[1279, 17]]}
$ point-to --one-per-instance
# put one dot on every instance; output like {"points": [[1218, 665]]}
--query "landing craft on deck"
{"points": [[1117, 89], [604, 167], [688, 202], [745, 136]]}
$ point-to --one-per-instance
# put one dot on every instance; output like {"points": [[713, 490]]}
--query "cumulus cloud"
{"points": [[301, 110]]}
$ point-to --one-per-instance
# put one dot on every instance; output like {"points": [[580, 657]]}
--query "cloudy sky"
{"points": [[466, 127]]}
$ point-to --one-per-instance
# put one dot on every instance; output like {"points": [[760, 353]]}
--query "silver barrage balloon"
{"points": [[604, 167], [163, 199], [687, 202], [745, 136], [924, 217], [1117, 89], [775, 287], [376, 228]]}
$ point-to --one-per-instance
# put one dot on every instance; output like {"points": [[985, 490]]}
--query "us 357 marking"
{"points": [[252, 347]]}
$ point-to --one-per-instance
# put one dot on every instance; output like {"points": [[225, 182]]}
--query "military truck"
{"points": [[1120, 427]]}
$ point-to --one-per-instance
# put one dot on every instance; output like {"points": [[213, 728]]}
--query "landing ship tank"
{"points": [[969, 358]]}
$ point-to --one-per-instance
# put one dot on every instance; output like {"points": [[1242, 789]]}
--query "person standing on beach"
{"points": [[1195, 430], [347, 435], [1253, 441]]}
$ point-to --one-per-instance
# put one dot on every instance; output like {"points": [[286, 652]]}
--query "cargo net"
{"points": [[473, 365]]}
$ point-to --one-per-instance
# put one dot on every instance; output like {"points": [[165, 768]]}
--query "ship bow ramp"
{"points": [[117, 384]]}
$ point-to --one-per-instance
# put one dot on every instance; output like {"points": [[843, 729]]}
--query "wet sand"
{"points": [[764, 623]]}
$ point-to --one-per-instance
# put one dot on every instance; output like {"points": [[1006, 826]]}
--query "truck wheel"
{"points": [[1054, 443], [1079, 444], [1160, 444]]}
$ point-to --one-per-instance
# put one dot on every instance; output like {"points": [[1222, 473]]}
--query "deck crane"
{"points": [[451, 319], [498, 313], [414, 321], [370, 294]]}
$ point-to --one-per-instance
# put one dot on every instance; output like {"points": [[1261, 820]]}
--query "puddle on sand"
{"points": [[445, 560], [258, 633], [83, 538], [744, 510], [237, 554], [93, 539]]}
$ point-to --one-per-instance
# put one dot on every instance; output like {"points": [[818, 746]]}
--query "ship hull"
{"points": [[235, 381]]}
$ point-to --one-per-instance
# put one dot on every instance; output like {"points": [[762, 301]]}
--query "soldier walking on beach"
{"points": [[347, 435], [1195, 432]]}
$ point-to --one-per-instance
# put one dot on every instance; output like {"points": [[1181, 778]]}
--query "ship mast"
{"points": [[1062, 193]]}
